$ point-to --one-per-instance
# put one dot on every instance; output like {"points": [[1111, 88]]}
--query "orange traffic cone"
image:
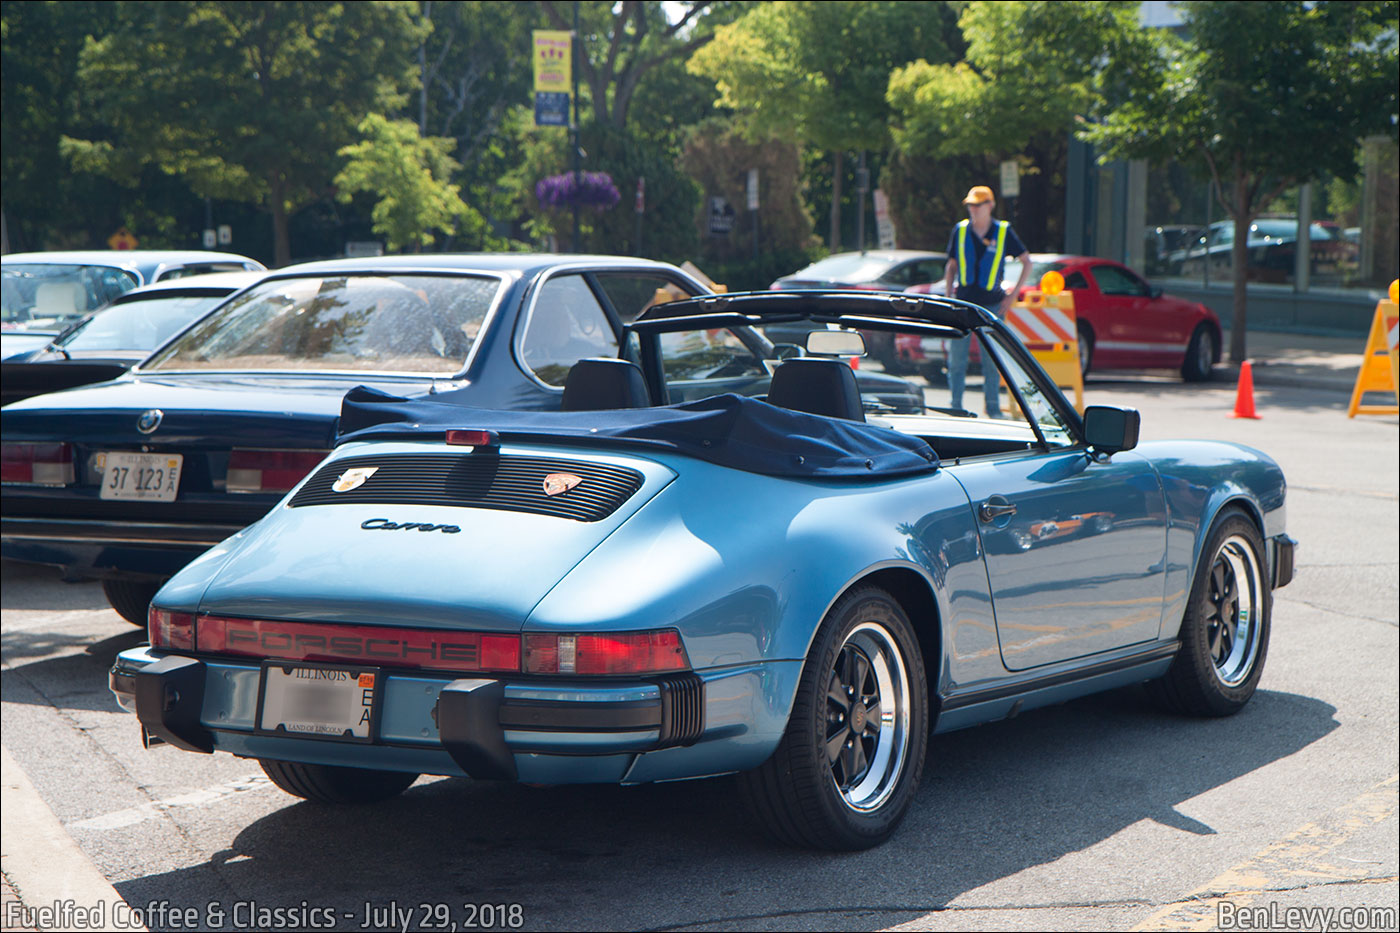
{"points": [[1244, 395]]}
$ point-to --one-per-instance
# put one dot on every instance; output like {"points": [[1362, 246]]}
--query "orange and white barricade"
{"points": [[1045, 322], [1380, 366]]}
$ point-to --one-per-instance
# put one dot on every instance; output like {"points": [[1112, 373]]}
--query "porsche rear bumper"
{"points": [[535, 730]]}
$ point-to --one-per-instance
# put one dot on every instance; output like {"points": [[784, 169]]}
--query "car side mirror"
{"points": [[1109, 430], [787, 351], [1155, 291]]}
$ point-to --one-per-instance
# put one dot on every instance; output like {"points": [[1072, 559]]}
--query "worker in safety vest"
{"points": [[977, 254]]}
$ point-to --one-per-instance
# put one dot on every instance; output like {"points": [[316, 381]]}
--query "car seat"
{"points": [[599, 384], [818, 387]]}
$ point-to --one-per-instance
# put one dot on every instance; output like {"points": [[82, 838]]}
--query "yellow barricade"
{"points": [[1047, 325], [1380, 367]]}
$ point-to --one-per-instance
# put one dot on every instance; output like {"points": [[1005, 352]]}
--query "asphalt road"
{"points": [[1102, 813]]}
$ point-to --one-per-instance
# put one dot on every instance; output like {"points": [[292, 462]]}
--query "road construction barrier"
{"points": [[1046, 323], [1380, 366]]}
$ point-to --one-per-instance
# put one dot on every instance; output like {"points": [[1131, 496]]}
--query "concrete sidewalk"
{"points": [[1301, 360]]}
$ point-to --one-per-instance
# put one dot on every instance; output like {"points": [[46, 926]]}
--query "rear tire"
{"points": [[1225, 632], [863, 694], [1200, 355], [336, 785], [131, 598]]}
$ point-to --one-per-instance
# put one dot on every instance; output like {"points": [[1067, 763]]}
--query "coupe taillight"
{"points": [[605, 653], [170, 629], [37, 464], [252, 470]]}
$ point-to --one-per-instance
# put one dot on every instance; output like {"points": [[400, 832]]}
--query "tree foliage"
{"points": [[244, 100], [1260, 97], [818, 71], [407, 173]]}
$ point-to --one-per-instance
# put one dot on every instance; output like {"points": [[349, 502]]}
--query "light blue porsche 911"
{"points": [[671, 579]]}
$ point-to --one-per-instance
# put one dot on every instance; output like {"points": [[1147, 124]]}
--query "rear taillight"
{"points": [[170, 629], [466, 438], [605, 653], [37, 464], [269, 470]]}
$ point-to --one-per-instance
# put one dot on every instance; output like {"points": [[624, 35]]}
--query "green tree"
{"points": [[408, 173], [1031, 68], [1258, 96], [245, 100], [817, 70]]}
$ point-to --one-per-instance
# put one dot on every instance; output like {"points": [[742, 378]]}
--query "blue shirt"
{"points": [[980, 252]]}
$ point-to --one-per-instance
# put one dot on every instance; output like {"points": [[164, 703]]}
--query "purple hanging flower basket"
{"points": [[594, 189]]}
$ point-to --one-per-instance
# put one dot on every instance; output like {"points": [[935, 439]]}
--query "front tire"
{"points": [[851, 759], [336, 785], [1200, 355], [1225, 632], [131, 598]]}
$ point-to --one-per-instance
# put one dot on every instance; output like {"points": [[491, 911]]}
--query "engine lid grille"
{"points": [[479, 481]]}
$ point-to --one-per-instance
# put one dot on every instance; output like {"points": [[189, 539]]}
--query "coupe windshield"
{"points": [[381, 323]]}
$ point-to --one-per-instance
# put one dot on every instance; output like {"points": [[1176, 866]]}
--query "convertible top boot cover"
{"points": [[729, 430]]}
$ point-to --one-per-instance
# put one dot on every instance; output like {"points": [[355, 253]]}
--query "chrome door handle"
{"points": [[995, 508]]}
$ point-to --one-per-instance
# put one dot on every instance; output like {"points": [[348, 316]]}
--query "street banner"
{"points": [[552, 55]]}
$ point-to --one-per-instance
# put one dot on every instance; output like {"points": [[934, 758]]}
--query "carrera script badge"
{"points": [[353, 478], [556, 484]]}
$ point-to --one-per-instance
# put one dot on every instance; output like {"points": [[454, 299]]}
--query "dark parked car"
{"points": [[127, 481], [111, 340], [890, 270]]}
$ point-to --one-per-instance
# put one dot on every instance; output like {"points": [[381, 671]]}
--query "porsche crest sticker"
{"points": [[353, 478], [556, 484]]}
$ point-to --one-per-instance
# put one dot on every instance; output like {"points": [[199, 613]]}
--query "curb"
{"points": [[44, 866]]}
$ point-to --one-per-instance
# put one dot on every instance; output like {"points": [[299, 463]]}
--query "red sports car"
{"points": [[1125, 323]]}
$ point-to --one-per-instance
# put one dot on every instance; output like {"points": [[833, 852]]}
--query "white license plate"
{"points": [[330, 702], [144, 477]]}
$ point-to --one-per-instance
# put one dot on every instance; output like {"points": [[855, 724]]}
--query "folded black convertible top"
{"points": [[729, 430]]}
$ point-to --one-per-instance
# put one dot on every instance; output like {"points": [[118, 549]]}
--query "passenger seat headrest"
{"points": [[601, 384], [818, 387]]}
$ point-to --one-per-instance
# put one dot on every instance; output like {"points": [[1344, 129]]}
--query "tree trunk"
{"points": [[834, 242], [281, 240], [1243, 212]]}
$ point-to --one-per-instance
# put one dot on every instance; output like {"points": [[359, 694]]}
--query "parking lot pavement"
{"points": [[1099, 814]]}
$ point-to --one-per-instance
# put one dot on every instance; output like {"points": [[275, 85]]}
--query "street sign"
{"points": [[721, 216], [641, 204], [884, 224], [122, 239], [211, 239], [553, 62], [751, 190], [225, 234], [1010, 179]]}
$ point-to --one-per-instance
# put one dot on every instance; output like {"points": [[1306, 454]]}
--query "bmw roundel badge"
{"points": [[149, 420], [559, 483]]}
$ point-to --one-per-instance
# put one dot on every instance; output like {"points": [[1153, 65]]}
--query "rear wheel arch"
{"points": [[914, 595]]}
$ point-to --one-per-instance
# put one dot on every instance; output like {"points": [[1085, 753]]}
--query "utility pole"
{"points": [[578, 168], [862, 189]]}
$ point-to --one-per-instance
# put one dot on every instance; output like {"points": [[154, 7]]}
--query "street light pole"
{"points": [[578, 179]]}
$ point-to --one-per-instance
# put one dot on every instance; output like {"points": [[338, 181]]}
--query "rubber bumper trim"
{"points": [[170, 700], [469, 727], [1284, 548]]}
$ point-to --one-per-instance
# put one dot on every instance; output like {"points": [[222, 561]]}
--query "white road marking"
{"points": [[194, 799]]}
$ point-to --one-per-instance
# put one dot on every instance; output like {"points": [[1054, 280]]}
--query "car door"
{"points": [[1075, 545], [1129, 334]]}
